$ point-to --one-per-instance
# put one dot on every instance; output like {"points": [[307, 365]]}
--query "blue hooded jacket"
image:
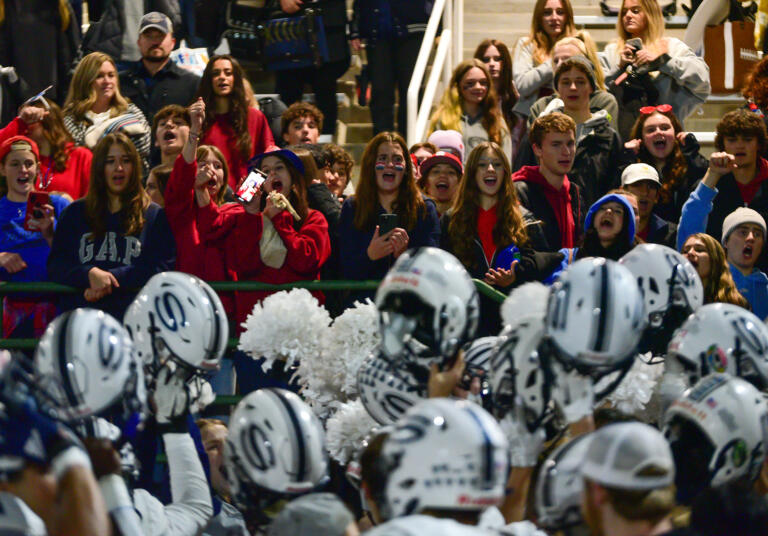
{"points": [[570, 254], [754, 287]]}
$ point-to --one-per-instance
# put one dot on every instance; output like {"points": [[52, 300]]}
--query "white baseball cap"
{"points": [[619, 454], [639, 172]]}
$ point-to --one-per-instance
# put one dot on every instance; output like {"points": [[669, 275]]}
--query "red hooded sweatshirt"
{"points": [[559, 200]]}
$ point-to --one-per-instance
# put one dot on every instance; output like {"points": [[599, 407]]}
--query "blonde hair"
{"points": [[654, 28], [449, 113], [82, 96], [586, 45], [542, 42]]}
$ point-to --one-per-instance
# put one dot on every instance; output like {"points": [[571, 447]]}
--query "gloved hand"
{"points": [[170, 399], [524, 446], [201, 394]]}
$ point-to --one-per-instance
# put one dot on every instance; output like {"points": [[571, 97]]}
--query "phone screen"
{"points": [[250, 184], [387, 222]]}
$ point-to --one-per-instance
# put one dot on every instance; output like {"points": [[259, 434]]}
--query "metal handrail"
{"points": [[219, 286], [451, 13]]}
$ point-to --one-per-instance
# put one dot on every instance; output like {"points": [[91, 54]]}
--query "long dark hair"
{"points": [[507, 93], [509, 227], [238, 102], [409, 204], [133, 198]]}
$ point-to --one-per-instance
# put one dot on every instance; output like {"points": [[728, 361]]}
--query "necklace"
{"points": [[45, 181]]}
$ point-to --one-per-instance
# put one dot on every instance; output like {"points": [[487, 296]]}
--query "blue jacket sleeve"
{"points": [[158, 252], [64, 266], [695, 213], [427, 231]]}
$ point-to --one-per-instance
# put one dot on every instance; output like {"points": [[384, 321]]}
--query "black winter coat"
{"points": [[172, 85], [596, 164], [532, 198], [697, 167], [408, 17]]}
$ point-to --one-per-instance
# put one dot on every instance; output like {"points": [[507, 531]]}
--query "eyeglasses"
{"points": [[662, 108]]}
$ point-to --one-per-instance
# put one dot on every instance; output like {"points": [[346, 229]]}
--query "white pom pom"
{"points": [[287, 325], [332, 375], [526, 300], [346, 430], [635, 390]]}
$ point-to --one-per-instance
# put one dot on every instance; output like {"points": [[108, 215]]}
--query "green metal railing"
{"points": [[219, 286]]}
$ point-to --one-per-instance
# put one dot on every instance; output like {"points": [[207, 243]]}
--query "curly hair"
{"points": [[56, 133], [674, 173], [133, 199], [741, 123], [238, 102], [462, 229], [542, 42], [449, 113], [337, 155], [507, 95], [719, 286], [82, 96], [554, 122], [297, 110], [409, 205], [756, 84]]}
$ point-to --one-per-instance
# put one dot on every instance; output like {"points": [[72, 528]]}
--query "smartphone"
{"points": [[35, 203], [250, 184], [387, 222]]}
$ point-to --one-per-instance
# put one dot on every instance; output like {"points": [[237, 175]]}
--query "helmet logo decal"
{"points": [[257, 448], [110, 354], [749, 336], [716, 359], [170, 311], [739, 453]]}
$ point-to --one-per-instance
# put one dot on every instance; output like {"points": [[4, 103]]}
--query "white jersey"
{"points": [[191, 508], [420, 525], [17, 519]]}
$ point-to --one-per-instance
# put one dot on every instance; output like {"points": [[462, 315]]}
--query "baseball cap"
{"points": [[449, 141], [286, 154], [740, 216], [619, 454], [157, 20], [17, 143], [316, 513], [639, 172], [441, 157]]}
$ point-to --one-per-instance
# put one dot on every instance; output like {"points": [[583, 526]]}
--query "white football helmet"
{"points": [[671, 288], [718, 433], [477, 361], [17, 519], [518, 374], [444, 454], [386, 390], [428, 307], [86, 365], [595, 316], [559, 485], [178, 316], [275, 449], [721, 337]]}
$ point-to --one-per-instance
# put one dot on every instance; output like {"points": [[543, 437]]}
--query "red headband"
{"points": [[663, 108]]}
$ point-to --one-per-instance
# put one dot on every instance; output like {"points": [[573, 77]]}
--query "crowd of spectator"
{"points": [[533, 160]]}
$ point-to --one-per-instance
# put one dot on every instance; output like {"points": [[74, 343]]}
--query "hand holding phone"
{"points": [[36, 202], [387, 222], [250, 185]]}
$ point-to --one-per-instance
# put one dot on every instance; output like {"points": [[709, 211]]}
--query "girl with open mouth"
{"points": [[658, 139], [708, 257], [24, 245], [231, 124]]}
